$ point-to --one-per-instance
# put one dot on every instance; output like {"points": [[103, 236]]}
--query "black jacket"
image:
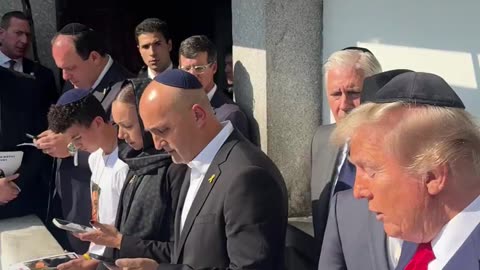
{"points": [[148, 200], [19, 114]]}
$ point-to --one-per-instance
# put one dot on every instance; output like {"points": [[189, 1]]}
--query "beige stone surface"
{"points": [[24, 239]]}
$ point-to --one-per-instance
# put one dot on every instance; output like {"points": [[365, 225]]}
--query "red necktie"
{"points": [[421, 258]]}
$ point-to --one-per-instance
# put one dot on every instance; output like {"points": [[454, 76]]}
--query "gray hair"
{"points": [[364, 61]]}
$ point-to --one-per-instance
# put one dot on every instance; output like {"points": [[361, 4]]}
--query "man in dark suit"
{"points": [[15, 39], [154, 44], [18, 116], [81, 54], [350, 226], [416, 152], [199, 57], [344, 71], [232, 210]]}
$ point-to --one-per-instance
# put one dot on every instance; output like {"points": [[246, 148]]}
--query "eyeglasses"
{"points": [[196, 69]]}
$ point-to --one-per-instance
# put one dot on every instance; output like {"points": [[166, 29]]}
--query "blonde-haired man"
{"points": [[416, 158]]}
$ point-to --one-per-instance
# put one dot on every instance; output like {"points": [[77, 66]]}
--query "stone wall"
{"points": [[277, 48]]}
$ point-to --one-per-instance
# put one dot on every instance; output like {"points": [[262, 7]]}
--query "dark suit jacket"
{"points": [[19, 114], [354, 239], [324, 158], [225, 109], [73, 183], [46, 81], [467, 256], [238, 220]]}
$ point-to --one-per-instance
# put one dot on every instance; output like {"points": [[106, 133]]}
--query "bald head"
{"points": [[173, 98], [80, 68], [181, 121]]}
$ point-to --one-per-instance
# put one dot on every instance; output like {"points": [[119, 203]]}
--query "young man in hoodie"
{"points": [[81, 117]]}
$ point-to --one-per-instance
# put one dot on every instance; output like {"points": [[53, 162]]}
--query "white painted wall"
{"points": [[437, 36]]}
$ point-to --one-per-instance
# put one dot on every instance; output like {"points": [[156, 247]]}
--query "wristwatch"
{"points": [[72, 150]]}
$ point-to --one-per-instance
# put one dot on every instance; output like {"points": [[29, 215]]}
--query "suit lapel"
{"points": [[468, 255], [178, 213], [27, 66], [324, 159], [218, 99], [204, 190], [408, 250], [377, 244]]}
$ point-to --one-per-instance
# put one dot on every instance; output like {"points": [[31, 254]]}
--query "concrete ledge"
{"points": [[25, 238]]}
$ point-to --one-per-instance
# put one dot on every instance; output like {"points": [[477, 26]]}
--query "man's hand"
{"points": [[53, 144], [79, 264], [104, 235], [137, 264], [8, 190]]}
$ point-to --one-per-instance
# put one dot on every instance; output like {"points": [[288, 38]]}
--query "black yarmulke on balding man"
{"points": [[179, 79], [419, 88], [372, 84], [74, 29]]}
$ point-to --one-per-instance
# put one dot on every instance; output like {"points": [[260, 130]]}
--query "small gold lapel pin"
{"points": [[210, 180]]}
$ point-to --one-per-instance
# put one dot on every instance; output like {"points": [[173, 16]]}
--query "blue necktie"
{"points": [[346, 177]]}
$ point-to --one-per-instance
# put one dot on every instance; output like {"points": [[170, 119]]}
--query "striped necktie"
{"points": [[11, 64]]}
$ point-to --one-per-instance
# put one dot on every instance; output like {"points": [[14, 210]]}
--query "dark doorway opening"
{"points": [[116, 19]]}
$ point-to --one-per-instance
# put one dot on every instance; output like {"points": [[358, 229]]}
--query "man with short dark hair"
{"points": [[82, 55], [15, 39], [154, 44], [198, 56]]}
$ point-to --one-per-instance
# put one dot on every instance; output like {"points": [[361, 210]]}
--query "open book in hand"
{"points": [[9, 164], [45, 263]]}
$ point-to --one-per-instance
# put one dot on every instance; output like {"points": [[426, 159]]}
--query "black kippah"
{"points": [[419, 88], [179, 79], [365, 50], [372, 84], [74, 29], [71, 96]]}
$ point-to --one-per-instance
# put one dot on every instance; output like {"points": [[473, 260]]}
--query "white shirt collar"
{"points": [[4, 62], [454, 234], [104, 71], [203, 160], [212, 92], [152, 75]]}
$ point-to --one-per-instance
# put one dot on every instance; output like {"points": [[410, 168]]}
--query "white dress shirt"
{"points": [[394, 249], [454, 234], [4, 62], [152, 75], [199, 166], [104, 71], [212, 92]]}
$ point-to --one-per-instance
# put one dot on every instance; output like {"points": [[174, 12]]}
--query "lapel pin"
{"points": [[210, 180]]}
